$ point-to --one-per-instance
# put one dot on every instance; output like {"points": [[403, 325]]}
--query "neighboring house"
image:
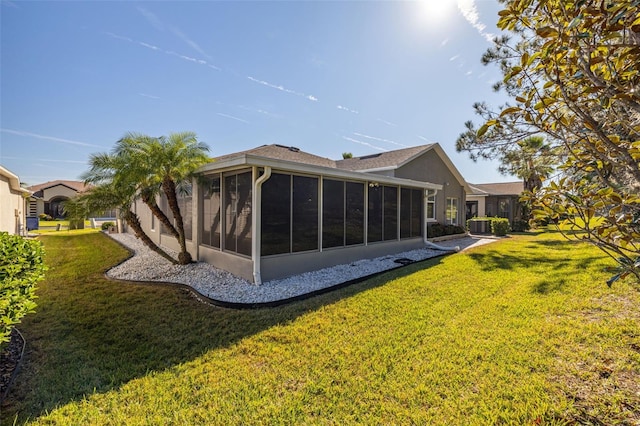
{"points": [[48, 197], [13, 203], [495, 199], [275, 211]]}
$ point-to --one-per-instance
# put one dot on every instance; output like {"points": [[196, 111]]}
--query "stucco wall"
{"points": [[58, 191], [430, 168], [10, 203]]}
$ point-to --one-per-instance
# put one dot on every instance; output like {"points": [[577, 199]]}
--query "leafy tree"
{"points": [[150, 167], [346, 155], [572, 71]]}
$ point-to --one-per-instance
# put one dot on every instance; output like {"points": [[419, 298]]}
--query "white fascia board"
{"points": [[14, 180], [379, 169], [247, 160]]}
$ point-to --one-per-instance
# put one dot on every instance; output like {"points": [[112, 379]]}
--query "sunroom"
{"points": [[263, 218]]}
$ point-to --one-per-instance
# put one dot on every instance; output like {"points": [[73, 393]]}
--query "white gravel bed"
{"points": [[221, 285]]}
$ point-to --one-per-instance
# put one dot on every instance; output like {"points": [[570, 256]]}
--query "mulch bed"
{"points": [[9, 361]]}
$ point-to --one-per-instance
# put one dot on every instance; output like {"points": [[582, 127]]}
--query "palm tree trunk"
{"points": [[169, 188], [157, 212], [132, 220]]}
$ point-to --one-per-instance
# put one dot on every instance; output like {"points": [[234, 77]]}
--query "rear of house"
{"points": [[276, 211]]}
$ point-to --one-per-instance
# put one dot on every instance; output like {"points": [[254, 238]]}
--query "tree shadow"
{"points": [[92, 335]]}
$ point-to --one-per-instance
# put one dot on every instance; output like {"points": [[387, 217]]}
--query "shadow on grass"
{"points": [[91, 335], [552, 267]]}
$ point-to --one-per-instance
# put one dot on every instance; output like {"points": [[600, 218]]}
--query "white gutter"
{"points": [[256, 224], [426, 230]]}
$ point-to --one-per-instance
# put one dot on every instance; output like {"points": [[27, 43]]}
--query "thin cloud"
{"points": [[470, 13], [232, 117], [347, 109], [167, 52], [119, 37], [283, 89], [45, 137], [388, 123], [454, 58], [444, 42], [425, 139], [148, 46], [149, 96], [379, 139], [151, 18], [10, 3], [363, 143], [190, 42], [47, 160]]}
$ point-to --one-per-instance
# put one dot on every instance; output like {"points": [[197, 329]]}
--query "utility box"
{"points": [[33, 223]]}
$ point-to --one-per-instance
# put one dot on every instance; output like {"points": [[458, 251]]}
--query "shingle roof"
{"points": [[73, 184], [382, 160], [287, 153], [505, 188]]}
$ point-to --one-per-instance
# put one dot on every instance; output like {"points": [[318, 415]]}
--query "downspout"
{"points": [[426, 230], [256, 224]]}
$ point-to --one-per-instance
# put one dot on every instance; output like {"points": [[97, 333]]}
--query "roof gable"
{"points": [[75, 185], [383, 160], [281, 152], [501, 188]]}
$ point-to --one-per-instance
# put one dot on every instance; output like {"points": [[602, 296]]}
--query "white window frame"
{"points": [[451, 203]]}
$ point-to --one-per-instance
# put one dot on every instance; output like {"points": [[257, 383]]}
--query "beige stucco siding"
{"points": [[11, 207]]}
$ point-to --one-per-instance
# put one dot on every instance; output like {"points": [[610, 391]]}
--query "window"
{"points": [[374, 213], [304, 211], [452, 211], [410, 213], [354, 213], [289, 214], [211, 214], [333, 217], [504, 207], [237, 209], [431, 206], [276, 215], [416, 213], [390, 217]]}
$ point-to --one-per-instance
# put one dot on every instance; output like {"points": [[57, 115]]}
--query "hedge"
{"points": [[21, 267]]}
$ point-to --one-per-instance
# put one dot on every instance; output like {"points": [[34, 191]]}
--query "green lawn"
{"points": [[522, 331]]}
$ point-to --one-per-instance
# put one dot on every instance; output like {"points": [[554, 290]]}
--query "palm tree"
{"points": [[152, 166], [110, 196], [533, 162]]}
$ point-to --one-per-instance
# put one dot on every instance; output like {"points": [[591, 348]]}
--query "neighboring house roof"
{"points": [[71, 184], [281, 152], [383, 160], [14, 180], [505, 188]]}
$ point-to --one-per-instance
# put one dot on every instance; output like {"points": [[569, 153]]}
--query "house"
{"points": [[13, 202], [48, 197], [276, 211], [495, 199]]}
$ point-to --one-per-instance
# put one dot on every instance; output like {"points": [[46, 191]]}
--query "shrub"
{"points": [[21, 267], [520, 226], [438, 230], [106, 225], [499, 226], [44, 216]]}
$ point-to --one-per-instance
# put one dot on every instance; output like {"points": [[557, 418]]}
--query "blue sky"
{"points": [[328, 77]]}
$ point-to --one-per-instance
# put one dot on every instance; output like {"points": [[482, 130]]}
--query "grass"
{"points": [[522, 331]]}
